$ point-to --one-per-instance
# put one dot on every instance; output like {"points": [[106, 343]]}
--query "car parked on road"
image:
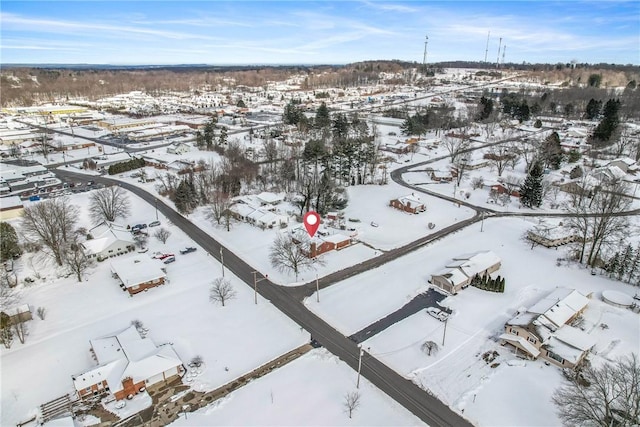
{"points": [[437, 313], [169, 260], [154, 223], [161, 255], [187, 250]]}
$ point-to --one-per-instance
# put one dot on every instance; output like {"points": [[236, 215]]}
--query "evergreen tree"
{"points": [[609, 123], [612, 266], [486, 108], [531, 190], [8, 241], [552, 151], [593, 109], [322, 119], [625, 262], [634, 266]]}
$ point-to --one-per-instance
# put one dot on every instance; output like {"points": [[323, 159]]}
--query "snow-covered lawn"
{"points": [[232, 340], [478, 317], [308, 391]]}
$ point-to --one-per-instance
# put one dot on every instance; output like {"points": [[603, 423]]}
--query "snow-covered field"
{"points": [[457, 371], [309, 391], [178, 312]]}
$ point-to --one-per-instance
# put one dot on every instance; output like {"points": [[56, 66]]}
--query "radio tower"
{"points": [[424, 57], [499, 46], [504, 50], [486, 52]]}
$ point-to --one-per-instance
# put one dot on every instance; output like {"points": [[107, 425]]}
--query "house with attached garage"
{"points": [[544, 329], [411, 204], [127, 364], [137, 274], [460, 271], [108, 240]]}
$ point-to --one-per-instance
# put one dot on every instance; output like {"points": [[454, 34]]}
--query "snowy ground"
{"points": [[456, 371], [179, 312], [308, 391]]}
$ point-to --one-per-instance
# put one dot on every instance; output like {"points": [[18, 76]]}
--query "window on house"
{"points": [[533, 340], [555, 357], [88, 389]]}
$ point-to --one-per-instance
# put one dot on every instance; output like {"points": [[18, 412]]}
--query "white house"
{"points": [[178, 148], [128, 363], [108, 240], [544, 331]]}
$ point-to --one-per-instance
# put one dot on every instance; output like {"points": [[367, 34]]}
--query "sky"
{"points": [[324, 32]]}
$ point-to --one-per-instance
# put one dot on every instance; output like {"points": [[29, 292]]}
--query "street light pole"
{"points": [[317, 289], [156, 209], [482, 222]]}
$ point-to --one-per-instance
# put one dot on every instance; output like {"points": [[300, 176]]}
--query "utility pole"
{"points": [[444, 334], [499, 46], [156, 209], [486, 52], [482, 222], [317, 289], [222, 261], [255, 285], [359, 365]]}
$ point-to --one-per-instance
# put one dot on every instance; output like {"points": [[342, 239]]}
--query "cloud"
{"points": [[52, 25], [390, 7]]}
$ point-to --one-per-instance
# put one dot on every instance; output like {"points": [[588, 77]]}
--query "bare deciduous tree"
{"points": [[221, 291], [20, 330], [41, 312], [351, 402], [162, 234], [500, 158], [594, 218], [76, 261], [605, 396], [109, 203], [285, 255], [429, 347], [52, 222], [218, 206], [455, 145]]}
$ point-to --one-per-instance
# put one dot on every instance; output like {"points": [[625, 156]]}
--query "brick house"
{"points": [[137, 274], [411, 204], [319, 245], [543, 330], [128, 363]]}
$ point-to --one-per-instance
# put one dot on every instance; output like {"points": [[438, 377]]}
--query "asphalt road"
{"points": [[425, 406]]}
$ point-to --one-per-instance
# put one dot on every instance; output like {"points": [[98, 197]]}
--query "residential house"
{"points": [[544, 331], [137, 274], [178, 148], [441, 176], [319, 245], [128, 363], [410, 203], [459, 272], [108, 240], [552, 236], [625, 164], [10, 207]]}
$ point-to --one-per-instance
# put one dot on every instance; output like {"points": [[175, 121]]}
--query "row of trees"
{"points": [[134, 163], [487, 283]]}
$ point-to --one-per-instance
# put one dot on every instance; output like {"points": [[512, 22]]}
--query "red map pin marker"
{"points": [[311, 222]]}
